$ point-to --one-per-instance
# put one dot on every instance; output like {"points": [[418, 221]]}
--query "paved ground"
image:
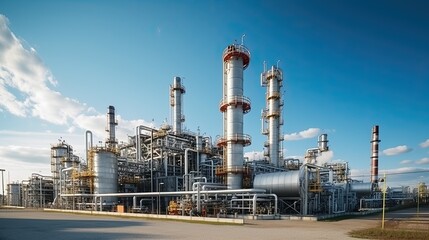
{"points": [[16, 224]]}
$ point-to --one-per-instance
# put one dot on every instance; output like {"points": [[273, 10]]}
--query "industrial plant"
{"points": [[172, 171]]}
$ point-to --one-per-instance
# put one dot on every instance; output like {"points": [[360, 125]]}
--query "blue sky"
{"points": [[348, 65]]}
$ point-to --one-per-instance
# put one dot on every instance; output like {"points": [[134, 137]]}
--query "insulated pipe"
{"points": [[374, 157], [151, 194], [186, 176], [88, 145], [198, 184]]}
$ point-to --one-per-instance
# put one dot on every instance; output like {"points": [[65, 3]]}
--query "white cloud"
{"points": [[360, 174], [397, 150], [25, 154], [325, 157], [26, 91], [309, 133], [423, 161], [425, 144], [406, 162], [254, 155], [406, 176], [301, 158]]}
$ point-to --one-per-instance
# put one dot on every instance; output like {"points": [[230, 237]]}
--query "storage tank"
{"points": [[361, 188], [105, 174], [284, 184], [61, 158], [14, 194]]}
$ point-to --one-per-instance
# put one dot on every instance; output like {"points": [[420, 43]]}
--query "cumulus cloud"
{"points": [[397, 150], [406, 161], [309, 133], [254, 155], [25, 154], [26, 90], [425, 144], [423, 161]]}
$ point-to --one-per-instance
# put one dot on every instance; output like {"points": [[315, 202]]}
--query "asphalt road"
{"points": [[17, 224]]}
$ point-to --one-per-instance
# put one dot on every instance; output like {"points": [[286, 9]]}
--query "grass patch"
{"points": [[378, 233]]}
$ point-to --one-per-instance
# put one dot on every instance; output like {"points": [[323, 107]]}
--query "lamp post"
{"points": [[418, 200], [384, 200], [2, 187], [159, 197], [41, 195]]}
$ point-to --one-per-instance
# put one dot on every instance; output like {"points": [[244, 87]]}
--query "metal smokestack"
{"points": [[374, 156], [110, 128], [176, 92]]}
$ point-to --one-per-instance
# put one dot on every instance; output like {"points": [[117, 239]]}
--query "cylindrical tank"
{"points": [[105, 174], [323, 142], [284, 184], [272, 80], [234, 105], [14, 194], [61, 158], [361, 188]]}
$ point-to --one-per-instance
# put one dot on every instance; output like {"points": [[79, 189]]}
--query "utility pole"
{"points": [[384, 201], [2, 187]]}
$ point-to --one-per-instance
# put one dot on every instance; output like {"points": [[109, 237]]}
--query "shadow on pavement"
{"points": [[27, 228]]}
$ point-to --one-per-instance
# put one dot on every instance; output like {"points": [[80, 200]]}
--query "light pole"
{"points": [[384, 200], [40, 192], [418, 200], [159, 197], [2, 187]]}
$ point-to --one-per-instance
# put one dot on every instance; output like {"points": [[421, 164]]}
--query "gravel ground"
{"points": [[30, 224]]}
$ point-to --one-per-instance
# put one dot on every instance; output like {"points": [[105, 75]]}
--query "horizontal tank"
{"points": [[284, 184], [361, 188], [106, 174]]}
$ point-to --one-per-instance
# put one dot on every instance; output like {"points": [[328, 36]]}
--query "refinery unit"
{"points": [[170, 170]]}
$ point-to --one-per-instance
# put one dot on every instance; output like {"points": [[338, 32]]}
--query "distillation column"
{"points": [[234, 105], [176, 91], [110, 128], [272, 115], [374, 156]]}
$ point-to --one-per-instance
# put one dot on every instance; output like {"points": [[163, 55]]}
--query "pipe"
{"points": [[195, 185], [255, 198], [186, 176], [374, 157], [86, 140], [211, 169], [151, 194], [138, 145]]}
